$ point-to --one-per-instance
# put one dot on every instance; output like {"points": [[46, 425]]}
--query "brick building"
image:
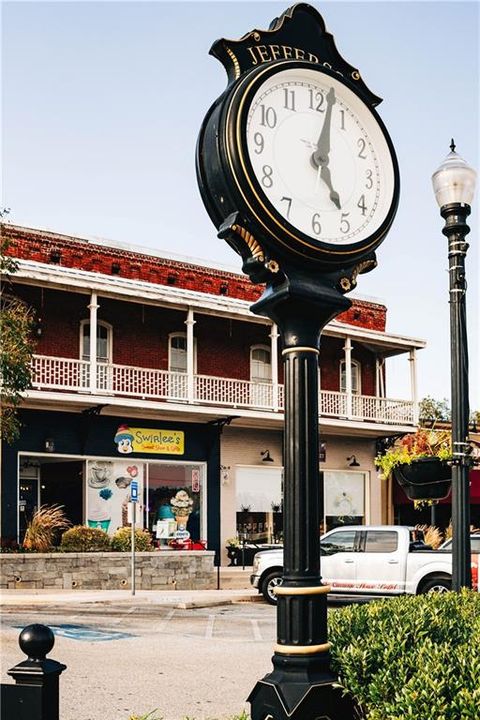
{"points": [[182, 388]]}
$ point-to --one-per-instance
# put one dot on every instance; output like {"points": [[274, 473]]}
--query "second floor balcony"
{"points": [[67, 375]]}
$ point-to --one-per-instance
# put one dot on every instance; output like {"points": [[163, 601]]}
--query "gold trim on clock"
{"points": [[301, 649], [300, 348], [316, 590], [233, 58], [254, 247]]}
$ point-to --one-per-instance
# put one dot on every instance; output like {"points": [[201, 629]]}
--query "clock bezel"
{"points": [[268, 221]]}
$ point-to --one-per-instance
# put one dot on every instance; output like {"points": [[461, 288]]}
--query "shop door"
{"points": [[62, 484], [28, 503]]}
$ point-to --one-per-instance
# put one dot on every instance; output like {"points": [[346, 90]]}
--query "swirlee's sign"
{"points": [[149, 440]]}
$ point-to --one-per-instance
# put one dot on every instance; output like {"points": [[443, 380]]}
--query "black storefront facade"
{"points": [[87, 462]]}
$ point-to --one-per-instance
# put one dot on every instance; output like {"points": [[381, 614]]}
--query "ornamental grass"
{"points": [[44, 528]]}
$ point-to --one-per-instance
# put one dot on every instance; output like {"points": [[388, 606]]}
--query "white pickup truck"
{"points": [[372, 560]]}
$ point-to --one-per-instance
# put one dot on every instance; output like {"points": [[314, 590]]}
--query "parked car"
{"points": [[373, 560], [474, 541]]}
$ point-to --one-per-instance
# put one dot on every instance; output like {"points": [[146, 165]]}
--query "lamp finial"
{"points": [[452, 145]]}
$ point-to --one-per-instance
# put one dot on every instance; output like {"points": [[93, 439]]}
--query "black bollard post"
{"points": [[35, 696]]}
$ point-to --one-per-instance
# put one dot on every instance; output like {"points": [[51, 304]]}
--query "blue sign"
{"points": [[134, 491]]}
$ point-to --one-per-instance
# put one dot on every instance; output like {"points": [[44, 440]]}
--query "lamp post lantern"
{"points": [[454, 186]]}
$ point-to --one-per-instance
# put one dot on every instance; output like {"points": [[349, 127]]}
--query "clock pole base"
{"points": [[301, 689]]}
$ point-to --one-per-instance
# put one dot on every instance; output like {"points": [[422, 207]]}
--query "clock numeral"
{"points": [[259, 142], [362, 145], [316, 101], [269, 116], [369, 183], [344, 224], [289, 201], [289, 99], [316, 227], [361, 204], [267, 180], [342, 119]]}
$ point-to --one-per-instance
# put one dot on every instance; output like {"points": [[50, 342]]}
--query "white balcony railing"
{"points": [[66, 374]]}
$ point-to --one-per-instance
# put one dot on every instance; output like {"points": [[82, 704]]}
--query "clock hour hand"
{"points": [[321, 154], [327, 178]]}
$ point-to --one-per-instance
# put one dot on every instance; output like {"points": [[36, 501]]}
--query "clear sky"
{"points": [[102, 103]]}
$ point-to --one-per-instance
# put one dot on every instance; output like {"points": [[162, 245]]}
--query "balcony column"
{"points": [[348, 375], [190, 322], [413, 383], [93, 307], [274, 363]]}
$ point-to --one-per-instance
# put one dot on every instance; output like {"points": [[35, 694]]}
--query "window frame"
{"points": [[267, 349], [109, 328], [358, 368], [171, 337]]}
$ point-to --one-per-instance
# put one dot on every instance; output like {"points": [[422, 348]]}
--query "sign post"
{"points": [[134, 501]]}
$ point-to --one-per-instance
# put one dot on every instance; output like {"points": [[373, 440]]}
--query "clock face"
{"points": [[320, 160]]}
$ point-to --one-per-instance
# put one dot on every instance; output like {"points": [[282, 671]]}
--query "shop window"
{"points": [[167, 481], [259, 504], [344, 498], [356, 377]]}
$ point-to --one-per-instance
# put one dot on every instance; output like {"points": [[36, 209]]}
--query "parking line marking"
{"points": [[209, 628], [163, 624], [257, 635], [121, 618]]}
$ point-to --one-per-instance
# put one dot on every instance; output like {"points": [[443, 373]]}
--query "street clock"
{"points": [[293, 161]]}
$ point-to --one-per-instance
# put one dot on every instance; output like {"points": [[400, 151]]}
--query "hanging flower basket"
{"points": [[427, 478]]}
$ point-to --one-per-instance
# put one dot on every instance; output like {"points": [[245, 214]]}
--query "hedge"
{"points": [[411, 657]]}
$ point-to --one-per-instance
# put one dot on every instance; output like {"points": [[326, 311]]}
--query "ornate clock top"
{"points": [[297, 34]]}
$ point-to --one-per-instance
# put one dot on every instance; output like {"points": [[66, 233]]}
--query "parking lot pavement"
{"points": [[201, 663]]}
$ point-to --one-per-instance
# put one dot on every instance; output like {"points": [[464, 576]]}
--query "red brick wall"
{"points": [[50, 248]]}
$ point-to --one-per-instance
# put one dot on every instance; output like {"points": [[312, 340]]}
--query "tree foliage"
{"points": [[16, 348], [431, 410]]}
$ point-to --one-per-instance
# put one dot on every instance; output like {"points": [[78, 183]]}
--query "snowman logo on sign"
{"points": [[124, 439]]}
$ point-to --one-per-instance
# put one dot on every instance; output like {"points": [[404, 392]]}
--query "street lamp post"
{"points": [[454, 186]]}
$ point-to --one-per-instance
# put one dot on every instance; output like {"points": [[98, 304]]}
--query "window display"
{"points": [[108, 493], [175, 503]]}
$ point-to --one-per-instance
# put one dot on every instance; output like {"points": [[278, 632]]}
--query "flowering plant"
{"points": [[181, 504], [232, 542], [420, 444]]}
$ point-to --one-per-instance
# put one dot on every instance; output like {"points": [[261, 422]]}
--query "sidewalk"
{"points": [[234, 583]]}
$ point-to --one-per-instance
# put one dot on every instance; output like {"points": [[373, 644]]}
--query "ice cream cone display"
{"points": [[182, 505]]}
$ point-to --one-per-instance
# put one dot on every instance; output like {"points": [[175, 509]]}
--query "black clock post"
{"points": [[306, 271], [302, 684]]}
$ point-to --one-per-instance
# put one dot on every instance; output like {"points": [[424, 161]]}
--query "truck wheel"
{"points": [[436, 585], [269, 584]]}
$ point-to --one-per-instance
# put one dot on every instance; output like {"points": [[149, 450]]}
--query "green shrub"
{"points": [[412, 657], [85, 539], [122, 540]]}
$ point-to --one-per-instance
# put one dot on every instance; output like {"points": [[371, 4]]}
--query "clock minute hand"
{"points": [[320, 155]]}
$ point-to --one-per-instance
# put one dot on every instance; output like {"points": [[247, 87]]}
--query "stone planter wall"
{"points": [[160, 570]]}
